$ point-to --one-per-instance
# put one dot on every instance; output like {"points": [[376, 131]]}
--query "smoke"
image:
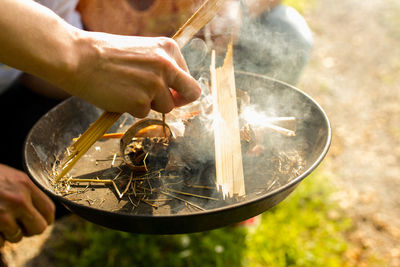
{"points": [[270, 45], [277, 44]]}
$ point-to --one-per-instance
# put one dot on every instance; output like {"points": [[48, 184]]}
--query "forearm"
{"points": [[258, 7], [35, 40], [114, 72]]}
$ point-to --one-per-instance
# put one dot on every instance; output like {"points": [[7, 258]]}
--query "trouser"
{"points": [[276, 44], [20, 109]]}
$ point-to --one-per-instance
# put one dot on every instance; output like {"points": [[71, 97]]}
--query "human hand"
{"points": [[114, 72], [132, 74], [24, 209], [224, 27]]}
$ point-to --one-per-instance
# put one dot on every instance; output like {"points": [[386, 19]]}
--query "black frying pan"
{"points": [[55, 130]]}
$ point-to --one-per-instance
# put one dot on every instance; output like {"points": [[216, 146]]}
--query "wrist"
{"points": [[64, 60], [77, 47]]}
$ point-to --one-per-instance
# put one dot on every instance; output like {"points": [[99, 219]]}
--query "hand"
{"points": [[224, 26], [132, 74], [114, 72], [24, 209]]}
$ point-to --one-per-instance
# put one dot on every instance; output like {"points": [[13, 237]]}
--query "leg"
{"points": [[276, 44]]}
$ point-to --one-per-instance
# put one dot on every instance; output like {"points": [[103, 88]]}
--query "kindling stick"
{"points": [[201, 17], [228, 153]]}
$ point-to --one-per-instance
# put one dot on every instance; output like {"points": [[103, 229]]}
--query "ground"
{"points": [[354, 73]]}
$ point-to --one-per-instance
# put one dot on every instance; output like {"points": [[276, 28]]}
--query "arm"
{"points": [[116, 73], [229, 20], [34, 40]]}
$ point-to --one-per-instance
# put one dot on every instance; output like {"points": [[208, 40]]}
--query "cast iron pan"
{"points": [[50, 136]]}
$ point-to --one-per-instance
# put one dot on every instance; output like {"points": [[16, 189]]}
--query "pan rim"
{"points": [[228, 207]]}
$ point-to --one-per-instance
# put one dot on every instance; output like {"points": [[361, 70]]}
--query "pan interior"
{"points": [[284, 162]]}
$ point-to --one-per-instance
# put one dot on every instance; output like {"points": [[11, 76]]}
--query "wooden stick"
{"points": [[279, 129], [285, 122], [106, 136], [282, 125], [197, 21], [183, 200], [117, 190], [127, 186], [228, 154], [87, 139], [78, 180], [288, 124], [164, 128], [190, 194]]}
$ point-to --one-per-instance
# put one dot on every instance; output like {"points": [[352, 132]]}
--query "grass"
{"points": [[307, 229], [298, 232]]}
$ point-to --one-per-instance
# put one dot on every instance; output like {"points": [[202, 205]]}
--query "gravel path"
{"points": [[354, 74]]}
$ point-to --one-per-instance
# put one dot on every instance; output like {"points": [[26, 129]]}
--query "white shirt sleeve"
{"points": [[63, 8]]}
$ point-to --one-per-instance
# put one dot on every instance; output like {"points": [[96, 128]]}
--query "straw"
{"points": [[197, 21]]}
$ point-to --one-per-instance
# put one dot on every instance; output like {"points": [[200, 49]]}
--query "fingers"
{"points": [[226, 26], [24, 209], [185, 89], [135, 74], [172, 48], [13, 237], [155, 94], [43, 204], [38, 213], [34, 201], [163, 101], [10, 229], [32, 222]]}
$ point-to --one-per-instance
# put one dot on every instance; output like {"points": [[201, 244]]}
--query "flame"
{"points": [[255, 118]]}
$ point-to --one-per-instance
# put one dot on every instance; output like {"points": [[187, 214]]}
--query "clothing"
{"points": [[276, 44], [66, 10], [26, 106], [137, 17], [282, 41]]}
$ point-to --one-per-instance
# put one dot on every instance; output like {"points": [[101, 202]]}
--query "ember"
{"points": [[158, 162], [159, 169], [182, 197]]}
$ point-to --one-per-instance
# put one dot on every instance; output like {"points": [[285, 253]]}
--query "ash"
{"points": [[179, 177]]}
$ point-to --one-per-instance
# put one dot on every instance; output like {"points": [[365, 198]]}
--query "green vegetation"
{"points": [[305, 230], [300, 6], [87, 244], [300, 231]]}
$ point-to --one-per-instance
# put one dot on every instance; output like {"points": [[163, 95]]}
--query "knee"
{"points": [[295, 38], [290, 25], [277, 44]]}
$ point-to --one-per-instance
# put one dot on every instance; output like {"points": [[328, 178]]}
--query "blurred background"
{"points": [[347, 213]]}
